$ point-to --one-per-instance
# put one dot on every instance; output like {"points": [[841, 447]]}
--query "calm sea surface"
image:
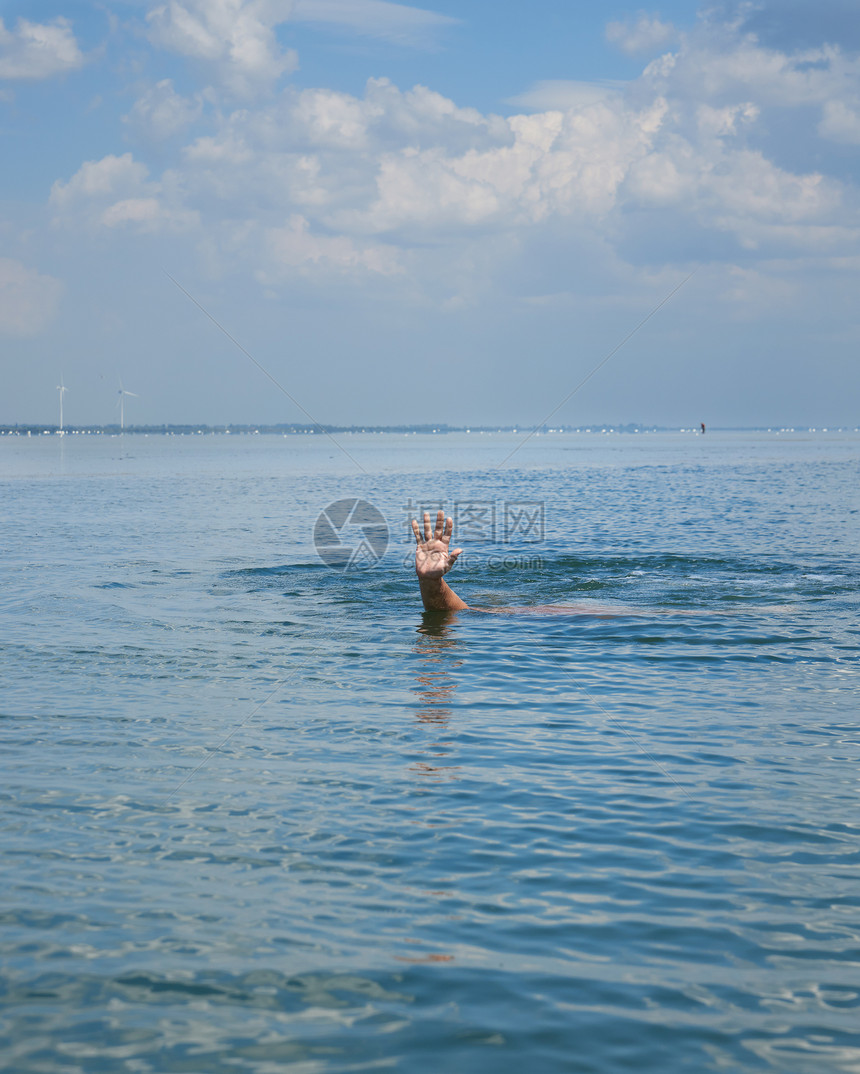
{"points": [[262, 815]]}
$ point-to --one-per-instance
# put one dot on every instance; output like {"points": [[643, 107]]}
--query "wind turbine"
{"points": [[122, 394], [62, 389]]}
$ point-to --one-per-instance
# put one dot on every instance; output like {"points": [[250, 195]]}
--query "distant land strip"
{"points": [[293, 429]]}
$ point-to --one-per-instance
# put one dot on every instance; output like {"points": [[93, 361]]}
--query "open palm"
{"points": [[433, 556]]}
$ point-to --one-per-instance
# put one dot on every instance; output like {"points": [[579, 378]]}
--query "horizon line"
{"points": [[437, 428]]}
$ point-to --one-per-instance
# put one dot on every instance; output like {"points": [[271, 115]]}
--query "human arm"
{"points": [[433, 560]]}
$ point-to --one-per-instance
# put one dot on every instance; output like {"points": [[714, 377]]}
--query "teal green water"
{"points": [[262, 815]]}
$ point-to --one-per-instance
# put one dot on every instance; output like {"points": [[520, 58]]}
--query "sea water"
{"points": [[261, 814]]}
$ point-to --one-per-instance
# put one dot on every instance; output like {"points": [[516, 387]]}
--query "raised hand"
{"points": [[433, 556], [433, 560]]}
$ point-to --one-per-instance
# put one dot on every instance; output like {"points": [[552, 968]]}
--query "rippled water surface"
{"points": [[262, 815]]}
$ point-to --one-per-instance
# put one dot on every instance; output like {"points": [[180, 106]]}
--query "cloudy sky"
{"points": [[451, 212]]}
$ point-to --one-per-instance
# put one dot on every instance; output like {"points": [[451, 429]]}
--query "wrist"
{"points": [[438, 596]]}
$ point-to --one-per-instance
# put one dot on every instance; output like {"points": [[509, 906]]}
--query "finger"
{"points": [[416, 531], [449, 529], [428, 533], [440, 525], [452, 557]]}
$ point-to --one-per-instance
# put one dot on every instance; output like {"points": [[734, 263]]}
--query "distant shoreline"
{"points": [[292, 429]]}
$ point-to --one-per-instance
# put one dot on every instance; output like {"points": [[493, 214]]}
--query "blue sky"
{"points": [[441, 213]]}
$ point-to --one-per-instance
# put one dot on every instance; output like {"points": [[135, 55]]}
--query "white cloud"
{"points": [[646, 34], [236, 36], [116, 191], [296, 247], [161, 112], [331, 118], [713, 69], [28, 299], [377, 18], [413, 162], [668, 178], [38, 50], [147, 214], [739, 191], [565, 94], [723, 122], [750, 186], [681, 162], [550, 163], [840, 122], [323, 151], [384, 115], [103, 178]]}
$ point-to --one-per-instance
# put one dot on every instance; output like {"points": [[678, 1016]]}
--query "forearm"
{"points": [[438, 596]]}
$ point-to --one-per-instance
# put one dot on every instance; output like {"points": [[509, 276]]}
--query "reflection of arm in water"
{"points": [[433, 560]]}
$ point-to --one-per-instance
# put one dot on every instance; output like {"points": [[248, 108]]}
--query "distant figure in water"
{"points": [[703, 428]]}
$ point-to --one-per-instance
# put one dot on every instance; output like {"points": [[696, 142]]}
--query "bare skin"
{"points": [[433, 559]]}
